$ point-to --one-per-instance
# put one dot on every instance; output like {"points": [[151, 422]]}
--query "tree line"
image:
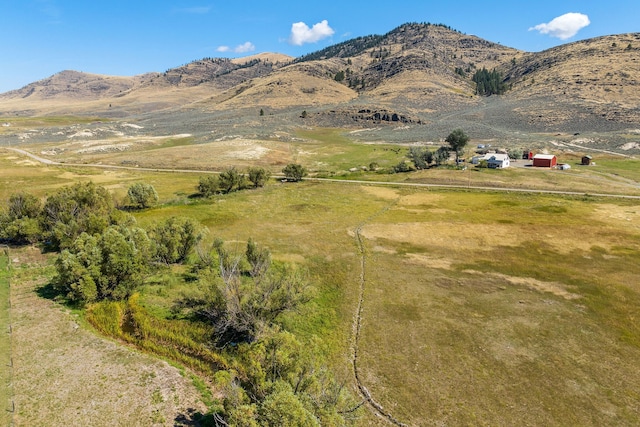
{"points": [[232, 179]]}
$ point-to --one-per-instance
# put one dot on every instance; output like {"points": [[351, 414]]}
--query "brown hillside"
{"points": [[602, 73], [75, 85], [299, 85]]}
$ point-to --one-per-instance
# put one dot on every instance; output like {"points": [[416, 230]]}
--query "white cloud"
{"points": [[565, 26], [243, 48], [301, 33]]}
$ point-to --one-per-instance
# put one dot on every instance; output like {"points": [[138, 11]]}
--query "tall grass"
{"points": [[182, 341]]}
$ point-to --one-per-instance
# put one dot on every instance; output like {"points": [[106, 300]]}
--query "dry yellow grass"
{"points": [[445, 344], [292, 86]]}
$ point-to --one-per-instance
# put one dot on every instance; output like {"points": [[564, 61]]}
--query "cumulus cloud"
{"points": [[565, 26], [243, 48], [301, 33]]}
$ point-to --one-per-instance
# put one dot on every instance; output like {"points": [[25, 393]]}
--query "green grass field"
{"points": [[479, 308]]}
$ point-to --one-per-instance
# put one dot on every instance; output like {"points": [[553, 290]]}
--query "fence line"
{"points": [[12, 405]]}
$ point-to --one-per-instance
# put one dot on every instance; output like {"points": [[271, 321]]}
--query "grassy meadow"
{"points": [[492, 309], [479, 307]]}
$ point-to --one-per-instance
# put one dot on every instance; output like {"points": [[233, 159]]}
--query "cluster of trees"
{"points": [[142, 195], [294, 172], [247, 292], [67, 213], [345, 49], [284, 386], [232, 180], [110, 265], [424, 157], [489, 82], [63, 216]]}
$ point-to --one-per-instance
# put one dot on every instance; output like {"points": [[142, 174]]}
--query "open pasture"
{"points": [[478, 308], [492, 309]]}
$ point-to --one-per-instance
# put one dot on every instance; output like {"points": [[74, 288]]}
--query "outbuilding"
{"points": [[586, 160], [545, 160]]}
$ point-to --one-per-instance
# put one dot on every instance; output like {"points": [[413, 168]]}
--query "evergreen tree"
{"points": [[489, 82]]}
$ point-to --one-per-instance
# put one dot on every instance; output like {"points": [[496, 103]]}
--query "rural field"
{"points": [[433, 305], [321, 240]]}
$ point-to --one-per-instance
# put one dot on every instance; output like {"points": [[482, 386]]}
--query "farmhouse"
{"points": [[497, 161], [494, 160], [544, 160]]}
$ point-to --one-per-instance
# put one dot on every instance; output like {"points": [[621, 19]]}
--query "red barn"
{"points": [[544, 160]]}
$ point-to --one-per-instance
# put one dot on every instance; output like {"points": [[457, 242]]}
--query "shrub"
{"points": [[208, 185], [142, 195], [294, 172]]}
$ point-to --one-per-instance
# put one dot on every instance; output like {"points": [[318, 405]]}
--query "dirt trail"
{"points": [[357, 324], [340, 181]]}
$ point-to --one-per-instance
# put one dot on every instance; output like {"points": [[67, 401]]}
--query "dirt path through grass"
{"points": [[357, 323], [341, 181], [66, 375]]}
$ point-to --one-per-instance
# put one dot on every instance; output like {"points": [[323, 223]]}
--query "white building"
{"points": [[498, 161], [494, 160]]}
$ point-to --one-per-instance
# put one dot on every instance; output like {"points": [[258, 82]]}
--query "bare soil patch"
{"points": [[554, 288], [629, 215], [381, 192]]}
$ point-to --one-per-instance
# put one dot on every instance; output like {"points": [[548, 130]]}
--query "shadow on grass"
{"points": [[48, 291], [197, 196], [193, 418]]}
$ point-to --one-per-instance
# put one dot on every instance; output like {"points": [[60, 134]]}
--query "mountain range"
{"points": [[406, 75]]}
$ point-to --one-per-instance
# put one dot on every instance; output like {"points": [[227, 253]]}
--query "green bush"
{"points": [[142, 196]]}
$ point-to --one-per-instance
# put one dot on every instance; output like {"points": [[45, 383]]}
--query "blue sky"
{"points": [[129, 37]]}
